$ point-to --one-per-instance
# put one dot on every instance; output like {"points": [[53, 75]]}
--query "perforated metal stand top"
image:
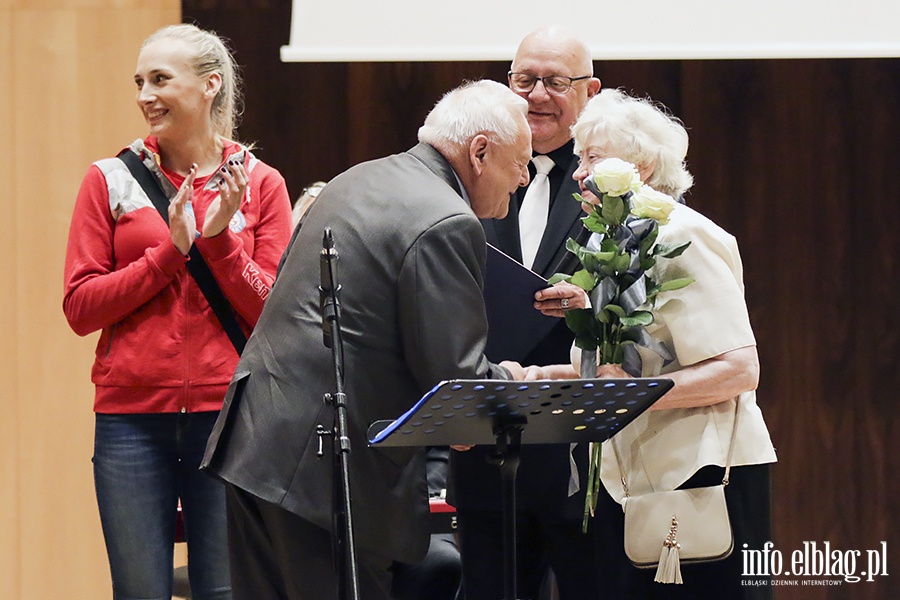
{"points": [[470, 412]]}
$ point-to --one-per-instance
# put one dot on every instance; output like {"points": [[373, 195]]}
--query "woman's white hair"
{"points": [[211, 55], [639, 131], [473, 108]]}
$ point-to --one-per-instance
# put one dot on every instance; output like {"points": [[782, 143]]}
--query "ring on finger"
{"points": [[564, 303]]}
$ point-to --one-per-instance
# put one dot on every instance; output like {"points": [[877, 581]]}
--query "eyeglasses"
{"points": [[554, 84]]}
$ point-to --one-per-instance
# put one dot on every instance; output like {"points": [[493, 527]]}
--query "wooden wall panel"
{"points": [[10, 530], [59, 524], [70, 93], [799, 176], [54, 445]]}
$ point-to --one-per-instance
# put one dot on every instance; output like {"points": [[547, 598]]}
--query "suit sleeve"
{"points": [[246, 277], [442, 315]]}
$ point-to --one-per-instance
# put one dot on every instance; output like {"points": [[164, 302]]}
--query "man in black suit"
{"points": [[553, 71], [412, 252]]}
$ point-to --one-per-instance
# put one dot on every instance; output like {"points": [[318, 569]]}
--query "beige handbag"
{"points": [[664, 529]]}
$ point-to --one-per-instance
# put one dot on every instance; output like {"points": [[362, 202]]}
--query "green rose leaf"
{"points": [[582, 323], [585, 343], [609, 246], [609, 250], [604, 256], [583, 279], [667, 252], [649, 240], [573, 246], [594, 223], [647, 263], [638, 317], [675, 284], [590, 261], [615, 309], [585, 257], [613, 210], [557, 277], [620, 263]]}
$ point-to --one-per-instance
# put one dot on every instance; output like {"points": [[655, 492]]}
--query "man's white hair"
{"points": [[474, 108]]}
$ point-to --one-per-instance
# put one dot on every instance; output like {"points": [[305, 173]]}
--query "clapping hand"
{"points": [[232, 182], [182, 224]]}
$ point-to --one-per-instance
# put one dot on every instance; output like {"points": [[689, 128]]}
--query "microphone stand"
{"points": [[345, 546]]}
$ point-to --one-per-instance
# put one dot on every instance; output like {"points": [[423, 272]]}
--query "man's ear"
{"points": [[478, 150]]}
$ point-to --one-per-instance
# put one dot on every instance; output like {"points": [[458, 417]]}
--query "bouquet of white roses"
{"points": [[615, 264]]}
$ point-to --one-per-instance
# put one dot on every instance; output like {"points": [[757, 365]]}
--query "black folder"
{"points": [[515, 326]]}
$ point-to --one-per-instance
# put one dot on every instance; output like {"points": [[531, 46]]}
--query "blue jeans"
{"points": [[143, 464]]}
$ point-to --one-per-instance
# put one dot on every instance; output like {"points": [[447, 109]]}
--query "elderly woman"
{"points": [[683, 441]]}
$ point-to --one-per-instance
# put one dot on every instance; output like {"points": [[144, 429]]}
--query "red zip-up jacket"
{"points": [[162, 349]]}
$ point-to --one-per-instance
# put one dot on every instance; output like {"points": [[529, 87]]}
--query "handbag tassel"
{"points": [[669, 569]]}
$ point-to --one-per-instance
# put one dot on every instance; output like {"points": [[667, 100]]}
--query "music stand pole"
{"points": [[506, 456], [347, 570]]}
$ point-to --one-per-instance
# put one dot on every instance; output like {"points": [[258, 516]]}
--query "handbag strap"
{"points": [[196, 265], [725, 479], [737, 414]]}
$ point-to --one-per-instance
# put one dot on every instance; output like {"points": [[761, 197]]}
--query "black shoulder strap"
{"points": [[196, 265]]}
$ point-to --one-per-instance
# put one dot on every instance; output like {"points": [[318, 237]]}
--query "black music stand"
{"points": [[507, 414]]}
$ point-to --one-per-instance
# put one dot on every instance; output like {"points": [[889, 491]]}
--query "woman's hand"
{"points": [[555, 300], [182, 225], [232, 181]]}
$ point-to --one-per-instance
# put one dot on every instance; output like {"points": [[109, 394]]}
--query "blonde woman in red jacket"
{"points": [[163, 361]]}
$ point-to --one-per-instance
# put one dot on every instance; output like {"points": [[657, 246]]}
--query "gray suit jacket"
{"points": [[411, 268]]}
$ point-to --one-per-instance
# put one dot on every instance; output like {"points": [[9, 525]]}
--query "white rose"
{"points": [[616, 177], [647, 203]]}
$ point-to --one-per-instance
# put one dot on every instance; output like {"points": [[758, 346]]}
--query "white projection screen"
{"points": [[459, 30]]}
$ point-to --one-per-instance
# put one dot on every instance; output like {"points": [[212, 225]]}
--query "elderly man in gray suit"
{"points": [[412, 266]]}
